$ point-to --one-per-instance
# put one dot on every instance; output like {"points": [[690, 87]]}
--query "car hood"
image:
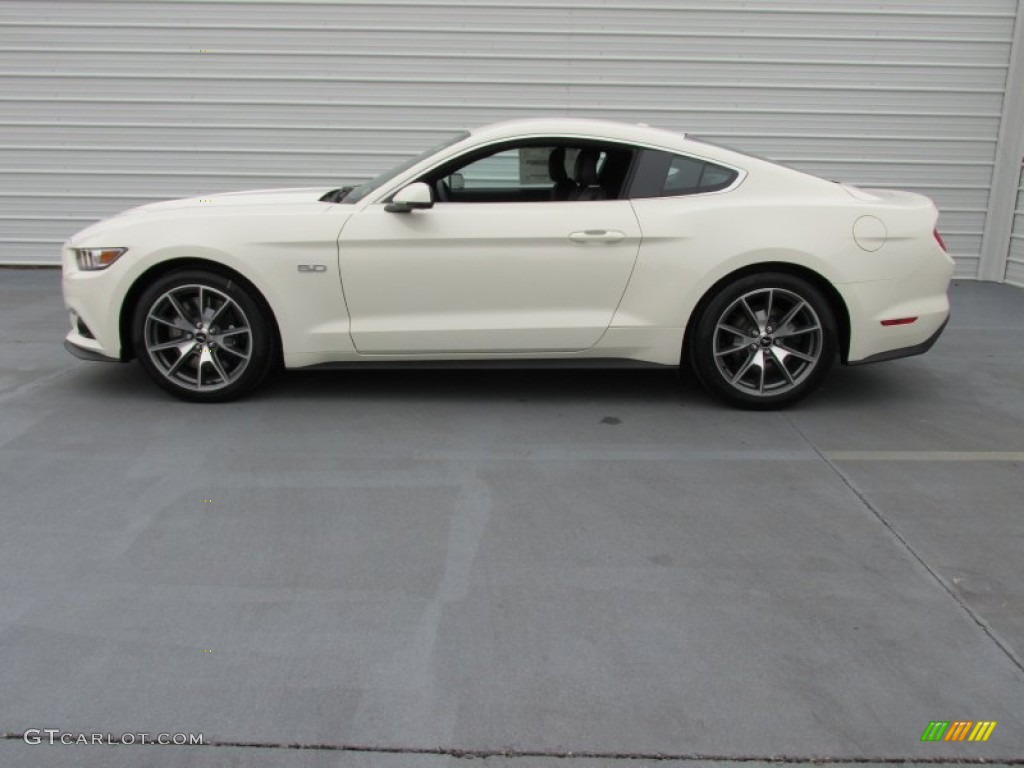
{"points": [[252, 198], [259, 202]]}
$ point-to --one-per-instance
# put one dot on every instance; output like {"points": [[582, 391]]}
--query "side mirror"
{"points": [[411, 197]]}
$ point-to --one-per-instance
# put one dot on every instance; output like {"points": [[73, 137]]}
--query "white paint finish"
{"points": [[870, 233], [264, 241], [691, 244], [107, 105], [507, 280], [465, 277]]}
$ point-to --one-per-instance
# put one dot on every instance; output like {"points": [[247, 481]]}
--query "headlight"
{"points": [[91, 259]]}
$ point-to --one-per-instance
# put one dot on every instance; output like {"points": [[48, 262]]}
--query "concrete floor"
{"points": [[535, 562]]}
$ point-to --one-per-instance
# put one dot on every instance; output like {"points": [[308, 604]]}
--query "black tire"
{"points": [[764, 341], [185, 354]]}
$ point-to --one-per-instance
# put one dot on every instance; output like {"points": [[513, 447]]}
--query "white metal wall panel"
{"points": [[110, 104], [1015, 261]]}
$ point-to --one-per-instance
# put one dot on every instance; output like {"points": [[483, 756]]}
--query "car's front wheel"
{"points": [[202, 336], [765, 341]]}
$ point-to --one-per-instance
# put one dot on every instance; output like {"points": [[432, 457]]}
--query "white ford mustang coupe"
{"points": [[544, 241]]}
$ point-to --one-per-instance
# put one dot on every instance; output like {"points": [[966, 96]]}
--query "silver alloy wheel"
{"points": [[767, 342], [198, 337]]}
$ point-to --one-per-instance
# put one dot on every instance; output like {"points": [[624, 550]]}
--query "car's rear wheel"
{"points": [[202, 336], [765, 341]]}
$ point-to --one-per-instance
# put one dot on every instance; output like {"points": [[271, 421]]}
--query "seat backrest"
{"points": [[564, 186], [586, 177]]}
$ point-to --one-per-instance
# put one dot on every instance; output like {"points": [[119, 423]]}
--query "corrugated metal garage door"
{"points": [[109, 104], [1015, 262]]}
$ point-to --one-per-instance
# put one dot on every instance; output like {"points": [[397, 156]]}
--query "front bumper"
{"points": [[84, 353], [93, 300]]}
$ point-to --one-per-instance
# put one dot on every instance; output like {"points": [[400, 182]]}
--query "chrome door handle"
{"points": [[597, 236]]}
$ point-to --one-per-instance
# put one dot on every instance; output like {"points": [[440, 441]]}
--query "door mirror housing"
{"points": [[411, 197]]}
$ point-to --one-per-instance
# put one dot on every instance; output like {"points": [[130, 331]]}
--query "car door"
{"points": [[498, 267]]}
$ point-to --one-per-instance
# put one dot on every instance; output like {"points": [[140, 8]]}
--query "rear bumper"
{"points": [[922, 295], [895, 354]]}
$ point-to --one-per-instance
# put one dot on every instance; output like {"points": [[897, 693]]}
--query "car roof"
{"points": [[578, 126]]}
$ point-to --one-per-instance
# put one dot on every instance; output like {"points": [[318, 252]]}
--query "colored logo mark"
{"points": [[958, 730]]}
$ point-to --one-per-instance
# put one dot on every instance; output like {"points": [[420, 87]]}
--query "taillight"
{"points": [[939, 240]]}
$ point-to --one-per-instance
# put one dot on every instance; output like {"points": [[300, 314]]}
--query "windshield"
{"points": [[358, 193]]}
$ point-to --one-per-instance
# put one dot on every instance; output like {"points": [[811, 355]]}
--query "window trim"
{"points": [[384, 194]]}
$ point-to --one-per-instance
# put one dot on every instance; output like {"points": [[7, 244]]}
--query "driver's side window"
{"points": [[531, 173], [513, 169]]}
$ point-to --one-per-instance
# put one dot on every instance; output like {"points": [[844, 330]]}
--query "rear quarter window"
{"points": [[663, 174]]}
